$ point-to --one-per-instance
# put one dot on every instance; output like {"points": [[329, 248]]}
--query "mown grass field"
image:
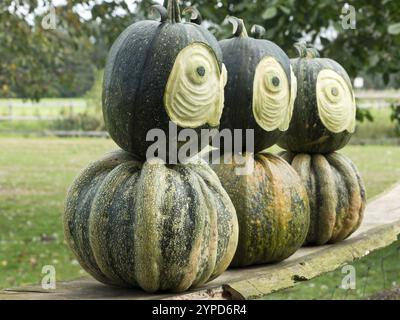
{"points": [[46, 107], [381, 129], [34, 177], [375, 273], [36, 172]]}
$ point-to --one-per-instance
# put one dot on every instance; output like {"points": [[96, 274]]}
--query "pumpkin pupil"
{"points": [[335, 92], [201, 71], [276, 81]]}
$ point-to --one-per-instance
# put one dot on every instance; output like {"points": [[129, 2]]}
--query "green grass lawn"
{"points": [[35, 174], [34, 177], [14, 128], [381, 127], [375, 273], [46, 107]]}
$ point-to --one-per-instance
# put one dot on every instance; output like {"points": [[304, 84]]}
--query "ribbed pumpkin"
{"points": [[336, 193], [272, 208], [149, 225], [261, 88], [324, 115], [162, 71]]}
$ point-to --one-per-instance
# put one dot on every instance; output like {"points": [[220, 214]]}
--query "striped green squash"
{"points": [[272, 208], [149, 225], [336, 193]]}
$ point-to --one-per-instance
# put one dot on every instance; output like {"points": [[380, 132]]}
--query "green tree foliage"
{"points": [[372, 47], [35, 62], [395, 117]]}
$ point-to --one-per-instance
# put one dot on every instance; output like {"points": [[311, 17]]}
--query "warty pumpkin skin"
{"points": [[324, 115], [162, 71], [261, 87], [272, 208], [148, 225], [336, 193]]}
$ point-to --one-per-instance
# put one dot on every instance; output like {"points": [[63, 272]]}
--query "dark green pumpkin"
{"points": [[271, 205], [323, 120], [336, 193], [244, 58], [141, 64], [149, 225]]}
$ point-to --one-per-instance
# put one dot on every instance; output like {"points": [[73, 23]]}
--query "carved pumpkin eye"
{"points": [[197, 72], [293, 96], [194, 94], [272, 81], [336, 102], [333, 93], [271, 96]]}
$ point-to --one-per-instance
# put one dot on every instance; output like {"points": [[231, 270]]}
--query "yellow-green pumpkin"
{"points": [[336, 193], [272, 208], [149, 225]]}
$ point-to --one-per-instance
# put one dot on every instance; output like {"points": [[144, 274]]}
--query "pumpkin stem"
{"points": [[161, 10], [239, 29], [312, 53], [257, 31], [174, 14], [195, 15], [306, 50], [301, 48]]}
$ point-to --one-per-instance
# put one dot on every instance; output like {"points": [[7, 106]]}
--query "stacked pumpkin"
{"points": [[323, 122], [270, 200], [131, 220], [140, 223]]}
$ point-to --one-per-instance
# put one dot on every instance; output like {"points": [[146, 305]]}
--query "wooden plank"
{"points": [[381, 227]]}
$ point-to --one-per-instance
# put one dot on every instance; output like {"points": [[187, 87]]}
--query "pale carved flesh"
{"points": [[194, 94], [293, 96], [336, 102], [273, 99]]}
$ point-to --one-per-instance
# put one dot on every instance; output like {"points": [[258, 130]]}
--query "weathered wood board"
{"points": [[381, 227]]}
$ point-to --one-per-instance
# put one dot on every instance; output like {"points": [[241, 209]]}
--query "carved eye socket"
{"points": [[271, 96], [336, 102], [194, 94]]}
